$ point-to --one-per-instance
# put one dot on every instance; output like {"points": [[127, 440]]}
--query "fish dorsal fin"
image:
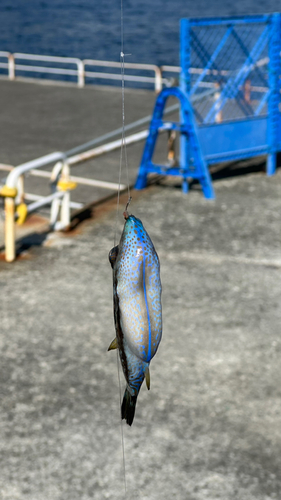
{"points": [[113, 345], [147, 377]]}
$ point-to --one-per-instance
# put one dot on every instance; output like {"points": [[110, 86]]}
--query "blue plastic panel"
{"points": [[232, 140]]}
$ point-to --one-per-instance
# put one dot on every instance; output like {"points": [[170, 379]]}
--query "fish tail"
{"points": [[128, 407]]}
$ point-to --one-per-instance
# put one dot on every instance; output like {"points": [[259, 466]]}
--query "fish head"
{"points": [[132, 241], [134, 226]]}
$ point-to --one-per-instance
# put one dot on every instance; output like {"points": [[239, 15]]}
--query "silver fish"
{"points": [[137, 308]]}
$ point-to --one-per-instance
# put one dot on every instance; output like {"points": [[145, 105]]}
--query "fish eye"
{"points": [[112, 256]]}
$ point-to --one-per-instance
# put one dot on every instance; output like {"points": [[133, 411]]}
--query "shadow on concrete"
{"points": [[104, 205], [31, 240], [225, 171]]}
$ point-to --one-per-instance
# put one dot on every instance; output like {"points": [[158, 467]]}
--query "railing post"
{"points": [[65, 185], [11, 66], [55, 206], [10, 248], [20, 190], [65, 210], [158, 79], [81, 74]]}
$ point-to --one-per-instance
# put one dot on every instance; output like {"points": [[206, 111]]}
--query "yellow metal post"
{"points": [[10, 250]]}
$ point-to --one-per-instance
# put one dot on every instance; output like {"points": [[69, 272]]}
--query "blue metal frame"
{"points": [[274, 122], [187, 127], [208, 141], [232, 86]]}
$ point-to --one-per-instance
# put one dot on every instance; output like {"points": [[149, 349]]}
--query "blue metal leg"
{"points": [[141, 181], [189, 145], [206, 183], [271, 164], [208, 190], [185, 186]]}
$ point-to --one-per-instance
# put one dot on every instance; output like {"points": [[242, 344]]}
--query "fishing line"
{"points": [[122, 432], [123, 137], [124, 145], [123, 150]]}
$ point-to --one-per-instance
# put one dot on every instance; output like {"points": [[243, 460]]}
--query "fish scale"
{"points": [[137, 307]]}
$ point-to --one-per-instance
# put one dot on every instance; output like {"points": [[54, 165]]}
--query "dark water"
{"points": [[91, 28]]}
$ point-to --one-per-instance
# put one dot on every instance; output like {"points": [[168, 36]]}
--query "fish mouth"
{"points": [[134, 221]]}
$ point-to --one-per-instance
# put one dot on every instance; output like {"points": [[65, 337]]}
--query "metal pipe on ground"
{"points": [[67, 157], [106, 148], [138, 123], [117, 132]]}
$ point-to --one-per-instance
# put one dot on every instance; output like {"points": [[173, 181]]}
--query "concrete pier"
{"points": [[209, 428], [39, 118]]}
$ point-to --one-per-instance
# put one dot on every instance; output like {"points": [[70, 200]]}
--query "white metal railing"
{"points": [[12, 66], [61, 180], [83, 69], [61, 185], [79, 71], [156, 80]]}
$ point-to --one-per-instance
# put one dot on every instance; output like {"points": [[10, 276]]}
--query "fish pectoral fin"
{"points": [[113, 345], [147, 377]]}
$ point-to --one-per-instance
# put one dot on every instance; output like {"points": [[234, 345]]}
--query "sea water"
{"points": [[91, 28]]}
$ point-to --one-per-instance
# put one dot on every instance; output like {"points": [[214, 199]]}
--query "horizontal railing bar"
{"points": [[113, 64], [116, 76], [46, 200], [96, 183], [37, 197], [40, 173], [107, 148], [38, 57], [44, 69], [6, 168], [118, 131], [175, 69]]}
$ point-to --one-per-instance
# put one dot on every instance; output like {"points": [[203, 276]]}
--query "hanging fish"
{"points": [[137, 308]]}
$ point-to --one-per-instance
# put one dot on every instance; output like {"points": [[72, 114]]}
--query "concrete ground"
{"points": [[39, 118], [210, 427]]}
